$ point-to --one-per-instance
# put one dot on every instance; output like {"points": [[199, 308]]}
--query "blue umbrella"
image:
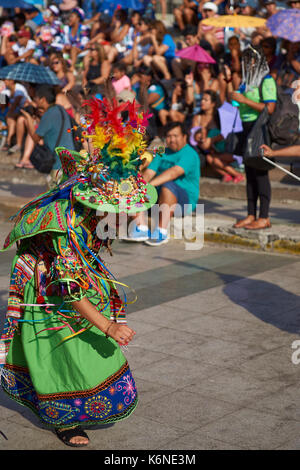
{"points": [[15, 4], [35, 2], [130, 4], [285, 24], [31, 73]]}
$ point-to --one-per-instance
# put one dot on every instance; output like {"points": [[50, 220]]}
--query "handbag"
{"points": [[258, 136], [232, 138], [42, 157]]}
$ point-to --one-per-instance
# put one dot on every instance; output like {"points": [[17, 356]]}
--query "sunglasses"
{"points": [[92, 49], [56, 62]]}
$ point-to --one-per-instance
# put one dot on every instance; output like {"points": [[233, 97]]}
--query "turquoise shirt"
{"points": [[188, 159]]}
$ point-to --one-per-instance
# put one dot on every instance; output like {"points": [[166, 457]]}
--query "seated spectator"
{"points": [[120, 80], [182, 66], [186, 14], [52, 19], [176, 175], [269, 47], [162, 52], [208, 118], [44, 41], [66, 8], [256, 38], [60, 67], [75, 35], [100, 25], [18, 97], [34, 18], [292, 62], [96, 68], [141, 44], [248, 8], [225, 164], [205, 79], [156, 96], [294, 3], [213, 35], [8, 55], [271, 7], [25, 45], [120, 35], [233, 57], [4, 100], [19, 21], [25, 162], [179, 108]]}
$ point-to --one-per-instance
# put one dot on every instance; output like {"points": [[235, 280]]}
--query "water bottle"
{"points": [[235, 103], [241, 89]]}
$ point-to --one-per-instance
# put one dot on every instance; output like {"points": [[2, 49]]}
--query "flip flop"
{"points": [[66, 435]]}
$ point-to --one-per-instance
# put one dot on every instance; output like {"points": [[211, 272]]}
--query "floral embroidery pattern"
{"points": [[113, 400], [127, 386]]}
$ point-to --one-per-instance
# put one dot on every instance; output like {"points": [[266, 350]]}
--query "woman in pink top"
{"points": [[212, 34]]}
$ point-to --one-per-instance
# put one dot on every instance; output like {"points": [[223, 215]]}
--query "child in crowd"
{"points": [[120, 80]]}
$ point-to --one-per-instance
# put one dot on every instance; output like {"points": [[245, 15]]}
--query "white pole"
{"points": [[281, 168]]}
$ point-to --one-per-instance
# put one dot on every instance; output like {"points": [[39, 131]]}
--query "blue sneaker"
{"points": [[138, 235], [157, 238]]}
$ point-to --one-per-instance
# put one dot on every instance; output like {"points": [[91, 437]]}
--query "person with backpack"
{"points": [[257, 92], [54, 120]]}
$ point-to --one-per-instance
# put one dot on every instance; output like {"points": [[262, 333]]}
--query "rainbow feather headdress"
{"points": [[109, 172]]}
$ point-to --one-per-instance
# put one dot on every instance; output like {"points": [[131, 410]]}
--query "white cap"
{"points": [[54, 10], [210, 6]]}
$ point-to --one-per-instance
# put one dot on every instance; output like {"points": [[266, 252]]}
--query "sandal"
{"points": [[28, 166], [65, 435]]}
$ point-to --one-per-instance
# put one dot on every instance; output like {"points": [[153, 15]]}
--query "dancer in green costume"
{"points": [[65, 321]]}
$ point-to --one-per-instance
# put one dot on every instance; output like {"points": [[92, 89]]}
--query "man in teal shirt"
{"points": [[176, 176]]}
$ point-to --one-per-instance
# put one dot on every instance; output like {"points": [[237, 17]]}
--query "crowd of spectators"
{"points": [[87, 42]]}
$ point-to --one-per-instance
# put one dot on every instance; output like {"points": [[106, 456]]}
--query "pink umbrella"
{"points": [[196, 53]]}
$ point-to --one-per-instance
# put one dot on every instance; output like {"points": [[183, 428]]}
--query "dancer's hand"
{"points": [[120, 333]]}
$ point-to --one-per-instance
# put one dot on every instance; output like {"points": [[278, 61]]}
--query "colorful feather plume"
{"points": [[120, 141]]}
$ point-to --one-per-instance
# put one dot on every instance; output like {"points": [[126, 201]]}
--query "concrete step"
{"points": [[281, 191]]}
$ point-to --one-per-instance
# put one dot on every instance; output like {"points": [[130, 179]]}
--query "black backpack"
{"points": [[76, 134], [283, 124]]}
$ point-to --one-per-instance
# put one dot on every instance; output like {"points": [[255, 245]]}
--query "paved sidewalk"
{"points": [[212, 357]]}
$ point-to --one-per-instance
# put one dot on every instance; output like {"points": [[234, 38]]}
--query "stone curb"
{"points": [[284, 239]]}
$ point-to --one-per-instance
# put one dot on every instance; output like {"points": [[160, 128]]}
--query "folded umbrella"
{"points": [[285, 24], [27, 72], [195, 53], [234, 21]]}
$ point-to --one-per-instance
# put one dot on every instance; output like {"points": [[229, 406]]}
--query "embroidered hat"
{"points": [[108, 175]]}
